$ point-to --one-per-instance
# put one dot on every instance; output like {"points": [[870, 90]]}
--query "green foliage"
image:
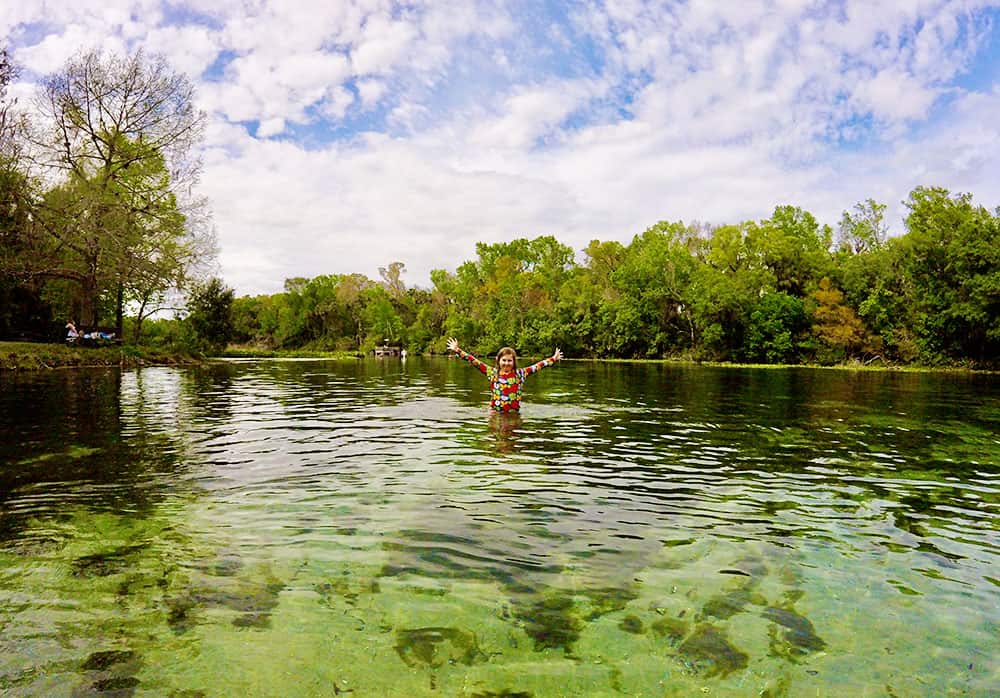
{"points": [[508, 295], [246, 319], [775, 328], [950, 260], [382, 323], [792, 246], [210, 315], [725, 288], [650, 313], [163, 334]]}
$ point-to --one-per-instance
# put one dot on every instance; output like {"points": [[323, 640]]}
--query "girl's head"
{"points": [[506, 360]]}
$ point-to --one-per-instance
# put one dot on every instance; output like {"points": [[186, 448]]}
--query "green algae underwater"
{"points": [[317, 528]]}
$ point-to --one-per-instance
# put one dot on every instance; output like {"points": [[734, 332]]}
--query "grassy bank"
{"points": [[28, 356]]}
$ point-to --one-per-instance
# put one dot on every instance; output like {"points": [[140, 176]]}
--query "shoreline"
{"points": [[37, 356], [244, 353]]}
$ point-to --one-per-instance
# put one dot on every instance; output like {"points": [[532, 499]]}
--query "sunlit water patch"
{"points": [[368, 529]]}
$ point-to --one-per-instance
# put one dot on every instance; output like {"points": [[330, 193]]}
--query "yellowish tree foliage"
{"points": [[837, 326]]}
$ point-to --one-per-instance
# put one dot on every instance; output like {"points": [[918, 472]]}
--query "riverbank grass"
{"points": [[28, 356]]}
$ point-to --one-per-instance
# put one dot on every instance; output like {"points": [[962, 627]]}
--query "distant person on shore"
{"points": [[506, 379], [72, 335]]}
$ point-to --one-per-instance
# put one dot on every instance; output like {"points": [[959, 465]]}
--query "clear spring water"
{"points": [[368, 529]]}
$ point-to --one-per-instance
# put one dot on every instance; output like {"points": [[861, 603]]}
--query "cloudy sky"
{"points": [[348, 134]]}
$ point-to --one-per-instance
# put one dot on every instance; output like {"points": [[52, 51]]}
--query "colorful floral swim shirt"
{"points": [[505, 389]]}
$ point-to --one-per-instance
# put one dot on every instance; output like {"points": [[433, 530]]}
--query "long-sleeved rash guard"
{"points": [[505, 389]]}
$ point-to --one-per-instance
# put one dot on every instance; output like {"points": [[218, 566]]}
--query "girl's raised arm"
{"points": [[534, 368], [453, 345]]}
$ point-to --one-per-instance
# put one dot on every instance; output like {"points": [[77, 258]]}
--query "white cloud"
{"points": [[190, 49], [532, 114], [15, 14], [305, 71], [337, 102], [270, 127], [52, 52], [893, 94], [408, 116], [371, 91], [381, 45]]}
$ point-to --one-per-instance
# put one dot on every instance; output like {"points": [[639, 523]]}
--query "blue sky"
{"points": [[347, 136]]}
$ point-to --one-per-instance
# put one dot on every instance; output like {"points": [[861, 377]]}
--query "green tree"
{"points": [[589, 299], [576, 318], [210, 314], [154, 247], [652, 312], [350, 292], [383, 325], [776, 324], [24, 310], [873, 285], [507, 296], [121, 133], [246, 312], [459, 291], [793, 247], [950, 260], [427, 326], [725, 287]]}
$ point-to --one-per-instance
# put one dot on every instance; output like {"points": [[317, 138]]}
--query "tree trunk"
{"points": [[88, 304], [139, 317], [119, 312]]}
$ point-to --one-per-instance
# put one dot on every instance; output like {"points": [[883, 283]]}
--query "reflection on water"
{"points": [[504, 426], [318, 528]]}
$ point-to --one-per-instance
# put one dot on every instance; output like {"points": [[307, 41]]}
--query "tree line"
{"points": [[781, 290]]}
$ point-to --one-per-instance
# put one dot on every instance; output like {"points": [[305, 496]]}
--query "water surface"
{"points": [[368, 529]]}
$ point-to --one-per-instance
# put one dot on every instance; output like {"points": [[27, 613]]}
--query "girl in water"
{"points": [[506, 379]]}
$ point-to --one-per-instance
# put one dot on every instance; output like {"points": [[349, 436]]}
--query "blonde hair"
{"points": [[504, 352]]}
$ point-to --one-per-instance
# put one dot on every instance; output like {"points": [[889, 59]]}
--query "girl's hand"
{"points": [[558, 355], [453, 345]]}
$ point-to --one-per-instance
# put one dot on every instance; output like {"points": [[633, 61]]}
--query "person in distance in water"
{"points": [[506, 379]]}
